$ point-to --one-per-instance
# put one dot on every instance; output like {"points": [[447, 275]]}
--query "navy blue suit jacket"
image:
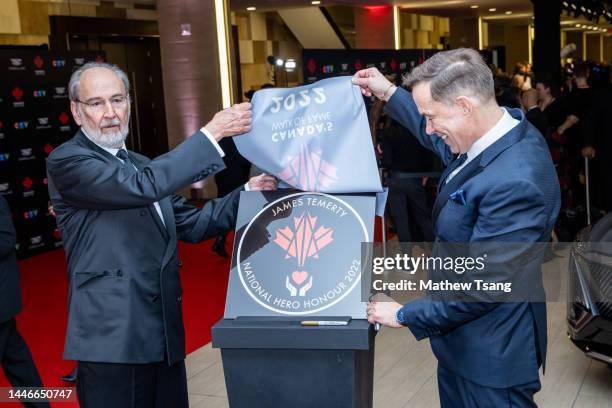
{"points": [[512, 195]]}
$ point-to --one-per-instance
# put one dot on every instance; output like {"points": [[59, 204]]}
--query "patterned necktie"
{"points": [[459, 160], [123, 155]]}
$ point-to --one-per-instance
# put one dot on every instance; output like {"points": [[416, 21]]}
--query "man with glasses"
{"points": [[120, 223]]}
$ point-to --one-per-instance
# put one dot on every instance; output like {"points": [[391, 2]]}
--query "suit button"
{"points": [[143, 212], [180, 264]]}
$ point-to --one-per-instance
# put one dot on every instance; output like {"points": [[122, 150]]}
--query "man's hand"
{"points": [[372, 82], [231, 121], [263, 182], [588, 151], [382, 309]]}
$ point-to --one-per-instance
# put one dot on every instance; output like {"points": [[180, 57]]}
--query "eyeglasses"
{"points": [[98, 105]]}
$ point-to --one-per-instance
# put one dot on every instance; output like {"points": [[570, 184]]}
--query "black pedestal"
{"points": [[276, 363]]}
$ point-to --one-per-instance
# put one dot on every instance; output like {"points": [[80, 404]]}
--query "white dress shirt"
{"points": [[114, 153], [503, 126]]}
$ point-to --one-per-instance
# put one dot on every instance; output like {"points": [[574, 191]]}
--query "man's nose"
{"points": [[109, 111]]}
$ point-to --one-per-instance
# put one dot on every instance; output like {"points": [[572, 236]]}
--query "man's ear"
{"points": [[75, 112], [465, 105]]}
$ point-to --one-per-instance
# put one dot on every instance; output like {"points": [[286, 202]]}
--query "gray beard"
{"points": [[113, 140]]}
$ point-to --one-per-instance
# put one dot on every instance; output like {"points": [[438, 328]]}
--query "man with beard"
{"points": [[120, 223]]}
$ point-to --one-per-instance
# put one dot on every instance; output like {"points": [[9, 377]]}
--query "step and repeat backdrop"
{"points": [[320, 63], [34, 119]]}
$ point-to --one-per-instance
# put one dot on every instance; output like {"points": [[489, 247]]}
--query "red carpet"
{"points": [[43, 320]]}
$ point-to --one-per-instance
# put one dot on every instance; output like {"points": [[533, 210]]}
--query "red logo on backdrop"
{"points": [[393, 64], [56, 234], [99, 58], [38, 61], [17, 93], [312, 66], [358, 65], [48, 148], [64, 118], [27, 183], [420, 60], [46, 181]]}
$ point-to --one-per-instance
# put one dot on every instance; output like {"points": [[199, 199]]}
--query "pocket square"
{"points": [[458, 197]]}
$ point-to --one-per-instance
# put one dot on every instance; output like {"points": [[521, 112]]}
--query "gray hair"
{"points": [[75, 79], [453, 72]]}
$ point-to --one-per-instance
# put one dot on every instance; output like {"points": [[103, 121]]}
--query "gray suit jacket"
{"points": [[125, 291], [10, 293]]}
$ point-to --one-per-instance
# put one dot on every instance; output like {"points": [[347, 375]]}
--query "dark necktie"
{"points": [[130, 168], [459, 160]]}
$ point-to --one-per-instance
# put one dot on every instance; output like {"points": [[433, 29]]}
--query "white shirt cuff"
{"points": [[213, 141], [246, 187]]}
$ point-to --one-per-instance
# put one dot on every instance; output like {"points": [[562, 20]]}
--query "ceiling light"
{"points": [[252, 8], [492, 9], [577, 25], [315, 2], [508, 12], [475, 6], [280, 62]]}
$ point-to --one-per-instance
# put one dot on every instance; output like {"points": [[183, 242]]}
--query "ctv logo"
{"points": [[29, 215], [21, 125], [4, 156], [327, 69], [40, 93], [58, 63]]}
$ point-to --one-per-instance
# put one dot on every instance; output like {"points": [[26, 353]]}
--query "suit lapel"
{"points": [[163, 229], [481, 161], [165, 204], [469, 171]]}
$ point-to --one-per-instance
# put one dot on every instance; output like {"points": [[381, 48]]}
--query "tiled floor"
{"points": [[571, 380]]}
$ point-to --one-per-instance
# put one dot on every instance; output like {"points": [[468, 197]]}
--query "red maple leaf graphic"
{"points": [[48, 148], [302, 242], [38, 61], [358, 65], [393, 64], [309, 172], [17, 93], [312, 66], [27, 183], [64, 118]]}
